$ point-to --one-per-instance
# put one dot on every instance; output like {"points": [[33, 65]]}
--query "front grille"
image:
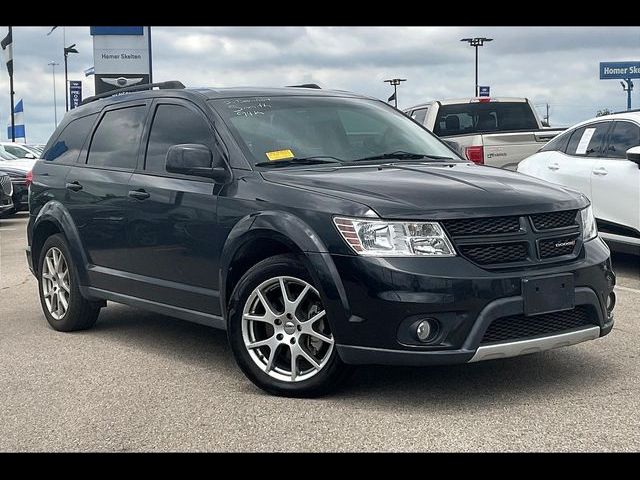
{"points": [[6, 185], [519, 327], [482, 226], [546, 221], [496, 253], [555, 247]]}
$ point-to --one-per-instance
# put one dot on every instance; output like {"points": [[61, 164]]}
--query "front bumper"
{"points": [[383, 294]]}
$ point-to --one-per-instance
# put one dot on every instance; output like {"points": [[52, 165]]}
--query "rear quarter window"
{"points": [[66, 147]]}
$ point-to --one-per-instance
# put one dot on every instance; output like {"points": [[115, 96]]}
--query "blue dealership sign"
{"points": [[75, 93], [619, 70], [483, 91], [116, 30]]}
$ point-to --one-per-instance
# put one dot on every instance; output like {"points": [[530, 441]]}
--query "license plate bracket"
{"points": [[548, 294]]}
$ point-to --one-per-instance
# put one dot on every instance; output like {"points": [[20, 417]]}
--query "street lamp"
{"points": [[628, 87], [395, 82], [67, 51], [476, 42], [55, 103]]}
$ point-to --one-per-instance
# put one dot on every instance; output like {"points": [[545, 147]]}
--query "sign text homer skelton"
{"points": [[619, 70]]}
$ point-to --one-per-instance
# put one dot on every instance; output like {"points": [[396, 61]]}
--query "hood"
{"points": [[433, 191], [21, 164]]}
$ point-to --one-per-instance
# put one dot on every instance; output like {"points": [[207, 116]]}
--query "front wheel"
{"points": [[279, 332]]}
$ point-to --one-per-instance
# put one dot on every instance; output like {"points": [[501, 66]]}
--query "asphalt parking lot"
{"points": [[144, 382]]}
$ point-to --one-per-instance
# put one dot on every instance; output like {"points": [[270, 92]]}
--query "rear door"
{"points": [[615, 182], [573, 168], [97, 188], [173, 217]]}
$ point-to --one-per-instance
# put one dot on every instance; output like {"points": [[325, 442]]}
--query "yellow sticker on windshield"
{"points": [[279, 155]]}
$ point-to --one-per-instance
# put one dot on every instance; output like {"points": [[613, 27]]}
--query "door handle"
{"points": [[139, 194], [600, 171], [553, 166], [74, 186]]}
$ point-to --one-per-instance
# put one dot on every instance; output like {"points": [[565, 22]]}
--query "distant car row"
{"points": [[16, 162]]}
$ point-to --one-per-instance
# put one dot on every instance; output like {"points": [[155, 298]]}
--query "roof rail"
{"points": [[135, 88], [305, 85], [627, 111]]}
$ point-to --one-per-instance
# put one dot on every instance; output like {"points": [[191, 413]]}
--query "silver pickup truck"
{"points": [[499, 132]]}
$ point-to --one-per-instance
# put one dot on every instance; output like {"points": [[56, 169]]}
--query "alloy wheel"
{"points": [[56, 287]]}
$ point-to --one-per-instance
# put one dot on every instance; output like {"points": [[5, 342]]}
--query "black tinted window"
{"points": [[624, 136], [66, 148], [116, 140], [469, 118], [557, 144], [587, 140], [172, 125]]}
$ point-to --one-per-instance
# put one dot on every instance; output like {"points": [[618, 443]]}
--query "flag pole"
{"points": [[11, 94]]}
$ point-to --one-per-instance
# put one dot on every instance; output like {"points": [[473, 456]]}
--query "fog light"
{"points": [[423, 330], [611, 302]]}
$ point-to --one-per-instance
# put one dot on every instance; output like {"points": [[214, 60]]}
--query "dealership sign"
{"points": [[619, 70], [121, 57], [75, 93]]}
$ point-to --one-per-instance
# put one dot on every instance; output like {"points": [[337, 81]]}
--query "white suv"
{"points": [[601, 158]]}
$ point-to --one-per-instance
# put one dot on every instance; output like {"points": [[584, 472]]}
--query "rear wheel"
{"points": [[64, 307], [279, 332]]}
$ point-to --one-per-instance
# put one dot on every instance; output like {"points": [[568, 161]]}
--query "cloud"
{"points": [[558, 65]]}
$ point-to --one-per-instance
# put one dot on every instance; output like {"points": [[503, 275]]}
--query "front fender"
{"points": [[293, 231], [54, 212]]}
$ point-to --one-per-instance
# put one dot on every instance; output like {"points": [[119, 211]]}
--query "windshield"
{"points": [[4, 155], [337, 129]]}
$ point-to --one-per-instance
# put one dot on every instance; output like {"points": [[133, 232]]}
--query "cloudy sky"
{"points": [[558, 65]]}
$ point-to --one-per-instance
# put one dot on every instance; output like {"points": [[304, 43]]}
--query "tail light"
{"points": [[475, 154], [29, 178]]}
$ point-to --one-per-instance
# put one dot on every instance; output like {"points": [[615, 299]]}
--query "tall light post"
{"points": [[627, 88], [67, 51], [476, 42], [395, 82], [55, 103]]}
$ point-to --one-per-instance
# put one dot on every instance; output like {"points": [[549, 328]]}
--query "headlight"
{"points": [[395, 239], [589, 228]]}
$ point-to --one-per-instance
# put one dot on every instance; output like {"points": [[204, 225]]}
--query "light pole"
{"points": [[67, 51], [476, 42], [55, 103], [627, 88], [395, 82]]}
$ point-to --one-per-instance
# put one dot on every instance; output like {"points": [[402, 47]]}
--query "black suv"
{"points": [[322, 229]]}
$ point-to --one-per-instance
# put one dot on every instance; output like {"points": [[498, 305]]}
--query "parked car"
{"points": [[492, 131], [20, 150], [4, 155], [19, 172], [6, 190], [599, 157], [321, 228]]}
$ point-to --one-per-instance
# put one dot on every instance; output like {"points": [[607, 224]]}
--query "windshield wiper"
{"points": [[402, 155], [300, 161]]}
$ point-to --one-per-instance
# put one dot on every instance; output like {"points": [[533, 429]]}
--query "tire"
{"points": [[291, 334], [80, 314]]}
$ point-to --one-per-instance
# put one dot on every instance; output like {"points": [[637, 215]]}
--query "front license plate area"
{"points": [[548, 294]]}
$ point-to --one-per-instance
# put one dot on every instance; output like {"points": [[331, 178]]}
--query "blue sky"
{"points": [[558, 65]]}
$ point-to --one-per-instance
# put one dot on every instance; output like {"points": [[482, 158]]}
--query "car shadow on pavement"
{"points": [[544, 376]]}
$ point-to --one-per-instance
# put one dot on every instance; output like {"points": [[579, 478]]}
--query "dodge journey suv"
{"points": [[321, 229]]}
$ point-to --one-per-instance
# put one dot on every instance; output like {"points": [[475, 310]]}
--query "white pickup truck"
{"points": [[499, 132]]}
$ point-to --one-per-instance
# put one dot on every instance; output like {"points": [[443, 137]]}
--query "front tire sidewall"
{"points": [[323, 381]]}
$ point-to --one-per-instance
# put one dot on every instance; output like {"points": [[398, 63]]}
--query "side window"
{"points": [[116, 140], [172, 125], [66, 148], [624, 136], [587, 141], [419, 115], [16, 151], [557, 144]]}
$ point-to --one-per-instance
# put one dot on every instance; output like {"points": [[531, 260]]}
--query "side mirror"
{"points": [[633, 155], [30, 156], [195, 159]]}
